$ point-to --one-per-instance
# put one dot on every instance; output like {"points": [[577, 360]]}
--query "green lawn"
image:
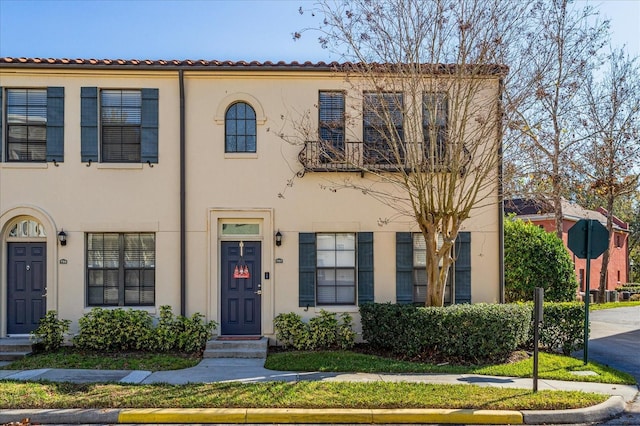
{"points": [[550, 366], [286, 395], [611, 305]]}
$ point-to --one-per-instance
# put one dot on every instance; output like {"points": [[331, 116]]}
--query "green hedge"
{"points": [[324, 331], [118, 329], [466, 333], [562, 327]]}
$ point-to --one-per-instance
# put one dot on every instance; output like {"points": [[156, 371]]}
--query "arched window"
{"points": [[27, 228], [240, 128]]}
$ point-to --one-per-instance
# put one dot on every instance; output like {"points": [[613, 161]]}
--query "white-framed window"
{"points": [[120, 119], [336, 268]]}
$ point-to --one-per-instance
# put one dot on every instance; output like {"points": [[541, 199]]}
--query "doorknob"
{"points": [[45, 292], [28, 267], [259, 292]]}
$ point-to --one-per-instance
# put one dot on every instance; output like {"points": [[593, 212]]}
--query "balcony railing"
{"points": [[323, 156]]}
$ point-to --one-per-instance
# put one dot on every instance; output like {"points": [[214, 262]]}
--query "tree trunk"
{"points": [[605, 257]]}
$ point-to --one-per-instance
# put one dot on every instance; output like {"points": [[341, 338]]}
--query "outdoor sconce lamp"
{"points": [[62, 237], [278, 239]]}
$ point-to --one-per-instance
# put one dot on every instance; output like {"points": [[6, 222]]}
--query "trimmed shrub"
{"points": [[536, 258], [324, 331], [463, 333], [49, 335], [562, 327], [114, 330]]}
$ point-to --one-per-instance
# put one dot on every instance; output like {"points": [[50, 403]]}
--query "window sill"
{"points": [[150, 309], [25, 165], [337, 308], [240, 155], [120, 166]]}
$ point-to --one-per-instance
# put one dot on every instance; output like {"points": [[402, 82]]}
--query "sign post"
{"points": [[587, 239], [538, 314]]}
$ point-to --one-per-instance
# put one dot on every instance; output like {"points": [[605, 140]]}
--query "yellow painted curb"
{"points": [[183, 415], [301, 415], [304, 415], [485, 417]]}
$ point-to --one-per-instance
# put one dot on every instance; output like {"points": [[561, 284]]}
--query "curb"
{"points": [[610, 408]]}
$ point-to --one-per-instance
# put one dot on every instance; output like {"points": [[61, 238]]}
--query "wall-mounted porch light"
{"points": [[62, 237], [278, 239]]}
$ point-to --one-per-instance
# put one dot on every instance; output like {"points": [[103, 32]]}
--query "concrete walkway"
{"points": [[252, 371]]}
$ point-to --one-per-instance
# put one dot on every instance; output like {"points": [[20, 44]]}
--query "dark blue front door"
{"points": [[26, 283], [241, 297]]}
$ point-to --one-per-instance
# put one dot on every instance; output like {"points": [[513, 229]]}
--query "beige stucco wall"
{"points": [[219, 187]]}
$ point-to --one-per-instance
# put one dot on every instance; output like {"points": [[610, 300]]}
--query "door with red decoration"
{"points": [[241, 288]]}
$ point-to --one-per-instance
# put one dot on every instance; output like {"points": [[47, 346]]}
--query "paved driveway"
{"points": [[614, 340]]}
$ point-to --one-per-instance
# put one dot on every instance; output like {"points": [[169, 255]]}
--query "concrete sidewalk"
{"points": [[252, 370]]}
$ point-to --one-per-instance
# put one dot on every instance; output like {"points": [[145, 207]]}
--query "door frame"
{"points": [[263, 217], [7, 219]]}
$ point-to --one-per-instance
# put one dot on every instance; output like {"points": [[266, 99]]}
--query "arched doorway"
{"points": [[26, 275]]}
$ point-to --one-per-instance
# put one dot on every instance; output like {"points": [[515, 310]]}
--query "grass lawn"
{"points": [[611, 305], [287, 395], [550, 366], [73, 358]]}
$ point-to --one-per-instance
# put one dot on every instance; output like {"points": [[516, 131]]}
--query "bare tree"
{"points": [[550, 66], [424, 84], [610, 159]]}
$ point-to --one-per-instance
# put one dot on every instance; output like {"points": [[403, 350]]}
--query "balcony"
{"points": [[323, 156]]}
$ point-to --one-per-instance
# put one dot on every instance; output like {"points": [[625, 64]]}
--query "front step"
{"points": [[15, 348], [236, 348]]}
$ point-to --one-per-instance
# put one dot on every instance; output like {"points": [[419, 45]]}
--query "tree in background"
{"points": [[423, 73], [610, 157], [536, 258], [549, 68]]}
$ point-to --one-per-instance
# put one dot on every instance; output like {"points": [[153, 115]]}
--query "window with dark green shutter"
{"points": [[120, 120], [331, 125], [335, 268], [119, 125], [411, 276], [26, 125]]}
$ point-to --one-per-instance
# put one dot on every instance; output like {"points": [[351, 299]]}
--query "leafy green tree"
{"points": [[536, 258]]}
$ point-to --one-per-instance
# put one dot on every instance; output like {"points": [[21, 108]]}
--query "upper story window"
{"points": [[331, 123], [33, 125], [383, 128], [435, 114], [240, 128], [120, 119], [119, 125]]}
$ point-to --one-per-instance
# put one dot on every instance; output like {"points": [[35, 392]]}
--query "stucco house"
{"points": [[137, 184], [541, 213]]}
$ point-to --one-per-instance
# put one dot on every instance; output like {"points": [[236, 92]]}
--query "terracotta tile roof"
{"points": [[215, 64]]}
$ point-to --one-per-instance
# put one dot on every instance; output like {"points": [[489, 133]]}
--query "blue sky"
{"points": [[195, 29]]}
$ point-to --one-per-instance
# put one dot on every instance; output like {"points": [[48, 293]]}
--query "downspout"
{"points": [[183, 220], [500, 196]]}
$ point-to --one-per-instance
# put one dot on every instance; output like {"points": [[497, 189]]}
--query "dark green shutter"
{"points": [[1, 128], [149, 126], [55, 124], [306, 269], [404, 267], [89, 124], [365, 267], [463, 268]]}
